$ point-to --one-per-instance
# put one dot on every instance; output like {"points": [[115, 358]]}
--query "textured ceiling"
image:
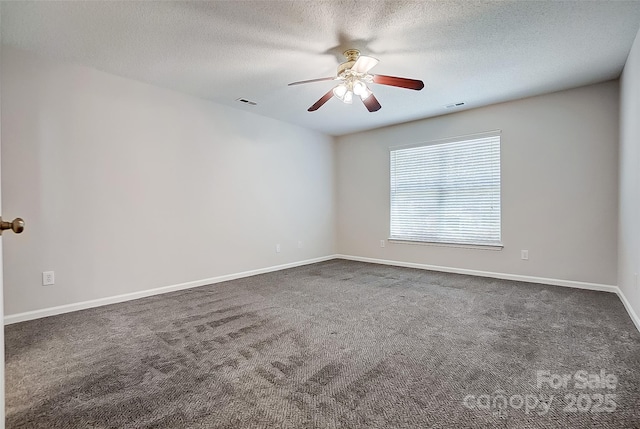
{"points": [[476, 52]]}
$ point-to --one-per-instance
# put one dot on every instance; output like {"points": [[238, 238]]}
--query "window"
{"points": [[447, 191]]}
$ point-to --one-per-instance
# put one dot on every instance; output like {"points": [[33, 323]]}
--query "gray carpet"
{"points": [[337, 344]]}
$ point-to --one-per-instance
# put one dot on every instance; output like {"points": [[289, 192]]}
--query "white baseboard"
{"points": [[52, 311], [630, 310], [517, 277]]}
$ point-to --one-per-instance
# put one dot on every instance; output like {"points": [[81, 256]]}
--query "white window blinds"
{"points": [[447, 192]]}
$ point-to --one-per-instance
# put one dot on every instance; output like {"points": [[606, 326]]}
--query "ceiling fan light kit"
{"points": [[355, 78], [350, 86]]}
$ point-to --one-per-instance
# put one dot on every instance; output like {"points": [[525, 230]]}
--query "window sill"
{"points": [[436, 244]]}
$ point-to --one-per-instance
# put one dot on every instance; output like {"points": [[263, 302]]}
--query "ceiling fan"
{"points": [[354, 76]]}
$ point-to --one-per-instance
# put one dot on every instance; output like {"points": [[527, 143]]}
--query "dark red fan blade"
{"points": [[318, 104], [372, 104], [398, 81], [312, 80]]}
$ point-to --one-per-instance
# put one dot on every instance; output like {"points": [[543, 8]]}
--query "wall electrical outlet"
{"points": [[524, 254], [299, 244], [277, 248], [382, 243], [48, 278]]}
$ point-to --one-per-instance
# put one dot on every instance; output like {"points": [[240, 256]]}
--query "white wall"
{"points": [[629, 230], [559, 186], [126, 187]]}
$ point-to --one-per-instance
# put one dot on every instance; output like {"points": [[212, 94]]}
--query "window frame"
{"points": [[462, 138]]}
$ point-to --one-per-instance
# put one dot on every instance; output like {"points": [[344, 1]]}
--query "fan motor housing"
{"points": [[345, 66], [352, 56]]}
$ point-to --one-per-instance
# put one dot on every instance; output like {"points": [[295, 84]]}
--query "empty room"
{"points": [[320, 214]]}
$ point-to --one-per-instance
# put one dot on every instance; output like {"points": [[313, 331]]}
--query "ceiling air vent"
{"points": [[245, 101], [451, 106]]}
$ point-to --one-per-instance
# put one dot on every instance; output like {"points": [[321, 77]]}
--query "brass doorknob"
{"points": [[16, 226]]}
